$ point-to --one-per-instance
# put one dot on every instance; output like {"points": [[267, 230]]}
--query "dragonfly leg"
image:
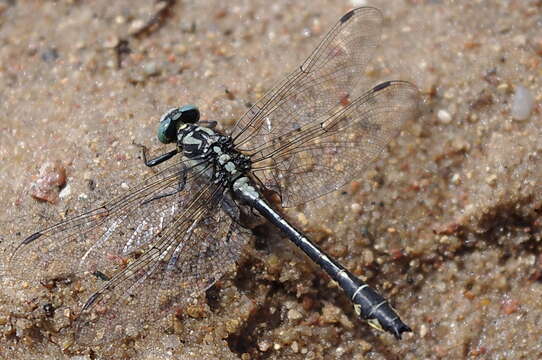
{"points": [[180, 187], [157, 160]]}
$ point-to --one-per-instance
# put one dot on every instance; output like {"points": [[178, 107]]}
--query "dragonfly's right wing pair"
{"points": [[307, 136]]}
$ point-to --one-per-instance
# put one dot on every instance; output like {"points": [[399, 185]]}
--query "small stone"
{"points": [[119, 19], [60, 321], [345, 322], [21, 325], [368, 257], [136, 26], [522, 103], [135, 77], [358, 3], [423, 330], [444, 116], [302, 219], [459, 144], [331, 314], [111, 42], [503, 88], [65, 192], [52, 177], [195, 311], [151, 69], [473, 118], [491, 179], [264, 345], [356, 208], [182, 49], [456, 179], [131, 331], [294, 315]]}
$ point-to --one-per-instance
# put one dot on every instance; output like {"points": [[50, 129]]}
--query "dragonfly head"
{"points": [[172, 120]]}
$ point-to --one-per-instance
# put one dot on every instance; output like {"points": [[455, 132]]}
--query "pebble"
{"points": [[423, 330], [456, 179], [294, 315], [356, 208], [111, 42], [522, 103], [151, 68], [358, 3], [264, 345], [65, 192], [491, 179], [51, 178], [136, 26], [444, 116]]}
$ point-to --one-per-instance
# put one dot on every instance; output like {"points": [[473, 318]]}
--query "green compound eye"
{"points": [[173, 119]]}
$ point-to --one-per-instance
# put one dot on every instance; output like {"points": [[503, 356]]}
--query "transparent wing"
{"points": [[102, 237], [323, 82], [187, 257], [323, 155]]}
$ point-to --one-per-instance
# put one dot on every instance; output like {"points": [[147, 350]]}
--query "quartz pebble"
{"points": [[522, 103]]}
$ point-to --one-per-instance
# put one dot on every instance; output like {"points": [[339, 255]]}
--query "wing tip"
{"points": [[382, 86], [347, 16], [26, 241], [351, 13], [31, 238]]}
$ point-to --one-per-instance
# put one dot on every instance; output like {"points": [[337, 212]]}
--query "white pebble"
{"points": [[522, 103], [65, 192], [444, 116], [356, 208], [151, 68], [294, 315], [456, 179], [264, 345], [358, 3], [423, 330]]}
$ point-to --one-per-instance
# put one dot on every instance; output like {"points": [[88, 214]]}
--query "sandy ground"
{"points": [[447, 225]]}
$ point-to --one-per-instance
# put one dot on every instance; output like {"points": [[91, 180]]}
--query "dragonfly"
{"points": [[149, 251]]}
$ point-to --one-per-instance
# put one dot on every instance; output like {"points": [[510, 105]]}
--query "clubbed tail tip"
{"points": [[386, 319], [399, 328]]}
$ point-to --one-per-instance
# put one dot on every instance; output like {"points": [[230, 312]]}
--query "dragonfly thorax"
{"points": [[196, 141], [202, 143]]}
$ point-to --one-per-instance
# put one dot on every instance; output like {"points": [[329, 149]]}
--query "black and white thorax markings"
{"points": [[210, 148]]}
